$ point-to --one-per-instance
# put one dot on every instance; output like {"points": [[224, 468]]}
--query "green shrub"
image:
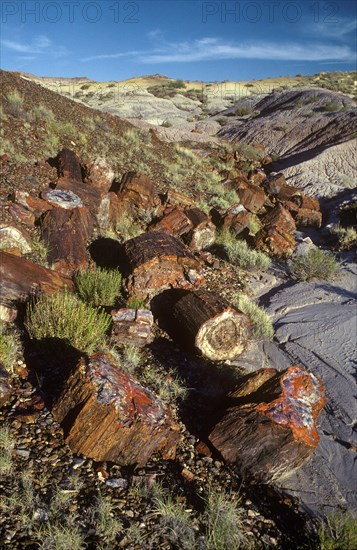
{"points": [[135, 302], [10, 346], [316, 264], [239, 253], [347, 236], [338, 532], [223, 518], [97, 286], [179, 84], [250, 152], [242, 111], [16, 105], [64, 316], [262, 326], [176, 518], [331, 106]]}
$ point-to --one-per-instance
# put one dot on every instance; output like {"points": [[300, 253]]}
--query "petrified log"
{"points": [[89, 196], [281, 218], [308, 218], [99, 174], [157, 261], [252, 197], [33, 204], [68, 165], [66, 233], [275, 241], [203, 233], [5, 386], [107, 415], [12, 237], [175, 221], [139, 192], [275, 183], [21, 278], [216, 329], [20, 213], [236, 218], [62, 198], [257, 176], [132, 326], [267, 428]]}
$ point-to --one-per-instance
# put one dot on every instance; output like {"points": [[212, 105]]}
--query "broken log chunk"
{"points": [[108, 416], [308, 203], [90, 196], [216, 329], [68, 165], [275, 183], [33, 204], [287, 192], [62, 198], [21, 278], [138, 191], [132, 326], [308, 218], [236, 219], [178, 199], [251, 197], [99, 174], [267, 427], [275, 241], [20, 213], [257, 177], [5, 386], [203, 232], [279, 217], [66, 233], [12, 237], [176, 222], [157, 261]]}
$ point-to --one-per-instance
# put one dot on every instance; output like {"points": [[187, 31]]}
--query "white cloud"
{"points": [[40, 45], [215, 49], [339, 29]]}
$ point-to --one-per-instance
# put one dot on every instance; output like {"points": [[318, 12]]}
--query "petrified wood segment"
{"points": [[132, 326], [21, 278], [66, 233], [268, 429], [237, 218], [68, 165], [99, 174], [157, 261], [252, 197], [89, 196], [203, 232], [275, 241], [63, 198], [175, 222], [216, 329], [280, 217], [139, 192], [107, 415]]}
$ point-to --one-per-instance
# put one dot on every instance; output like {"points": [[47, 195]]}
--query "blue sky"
{"points": [[193, 40]]}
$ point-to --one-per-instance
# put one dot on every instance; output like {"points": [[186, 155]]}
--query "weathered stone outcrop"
{"points": [[107, 415], [267, 428], [157, 261], [211, 325]]}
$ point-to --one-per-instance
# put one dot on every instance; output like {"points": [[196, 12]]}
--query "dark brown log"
{"points": [[267, 427], [281, 218], [251, 197], [287, 192], [157, 261], [108, 416], [138, 191], [132, 326], [33, 204], [275, 241], [216, 329], [203, 232], [275, 183], [20, 213], [308, 218], [21, 278], [308, 203], [68, 165], [66, 233], [90, 196], [236, 218], [176, 222]]}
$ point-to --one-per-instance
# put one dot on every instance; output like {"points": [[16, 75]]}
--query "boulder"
{"points": [[275, 241], [267, 427], [108, 416]]}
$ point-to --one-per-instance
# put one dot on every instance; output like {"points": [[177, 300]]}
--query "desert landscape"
{"points": [[178, 313]]}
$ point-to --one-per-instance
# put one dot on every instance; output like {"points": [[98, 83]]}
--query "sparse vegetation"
{"points": [[15, 105], [131, 356], [135, 302], [126, 227], [338, 532], [243, 111], [347, 236], [63, 316], [331, 107], [168, 386], [106, 524], [10, 346], [239, 253], [60, 537], [6, 446], [262, 326], [174, 517], [98, 287], [316, 264], [223, 517], [250, 152]]}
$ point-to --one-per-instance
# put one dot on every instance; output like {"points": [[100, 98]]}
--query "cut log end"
{"points": [[223, 337]]}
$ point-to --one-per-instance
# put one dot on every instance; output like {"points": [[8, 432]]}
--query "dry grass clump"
{"points": [[347, 236], [10, 346], [239, 253], [338, 532], [98, 287], [7, 444], [262, 326], [316, 264], [65, 317]]}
